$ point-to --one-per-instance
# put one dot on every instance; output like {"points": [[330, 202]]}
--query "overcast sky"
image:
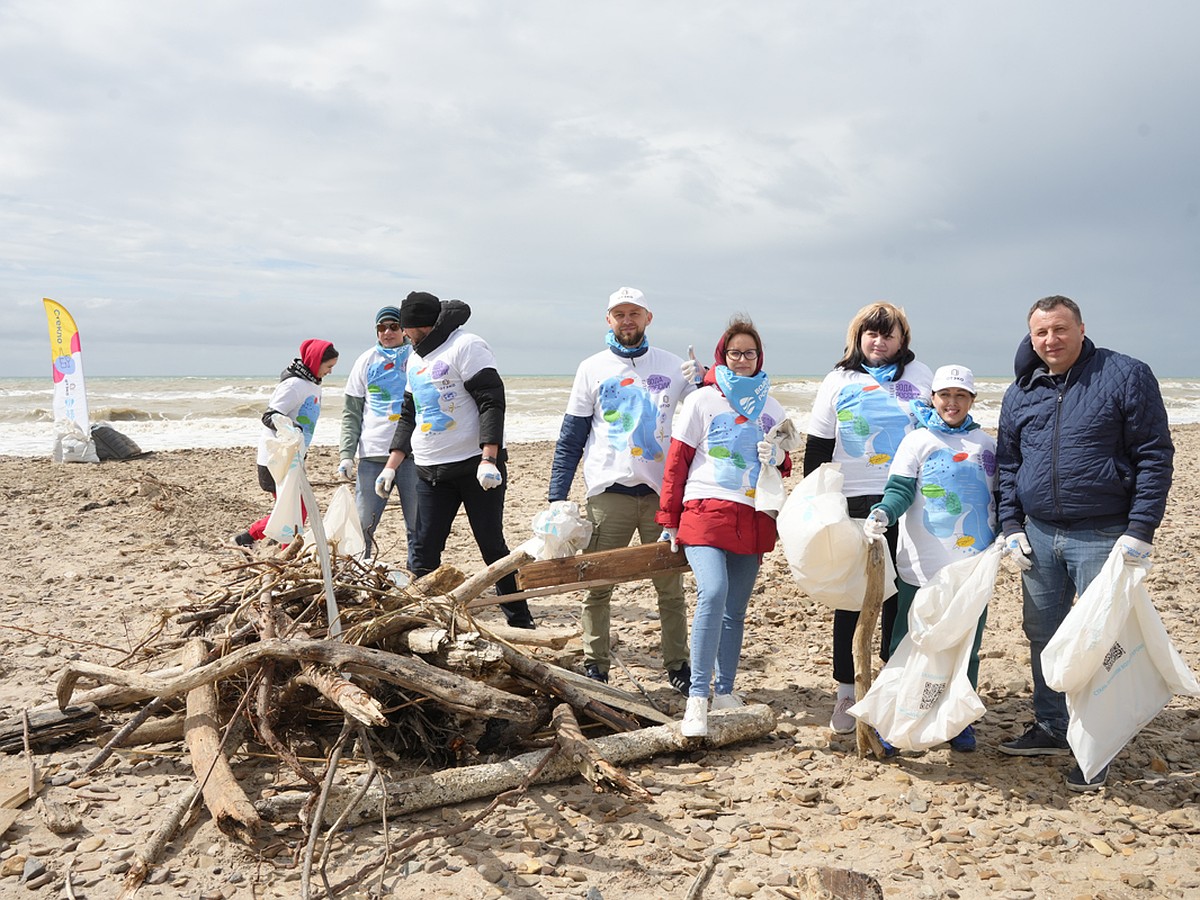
{"points": [[204, 185]]}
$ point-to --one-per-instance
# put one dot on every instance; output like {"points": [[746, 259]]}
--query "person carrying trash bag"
{"points": [[298, 397], [1085, 464], [941, 491]]}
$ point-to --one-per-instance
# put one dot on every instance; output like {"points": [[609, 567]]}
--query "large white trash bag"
{"points": [[72, 445], [558, 531], [342, 525], [285, 460], [1113, 659], [825, 548], [923, 696]]}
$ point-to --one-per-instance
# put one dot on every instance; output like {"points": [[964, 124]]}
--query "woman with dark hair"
{"points": [[718, 448], [861, 413]]}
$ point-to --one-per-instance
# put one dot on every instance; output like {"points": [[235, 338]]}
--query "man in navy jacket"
{"points": [[1085, 458]]}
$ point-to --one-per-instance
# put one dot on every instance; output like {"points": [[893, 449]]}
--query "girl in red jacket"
{"points": [[717, 450]]}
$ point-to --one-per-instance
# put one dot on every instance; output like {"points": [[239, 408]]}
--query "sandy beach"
{"points": [[96, 557]]}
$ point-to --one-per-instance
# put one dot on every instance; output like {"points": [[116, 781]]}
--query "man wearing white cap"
{"points": [[941, 489], [618, 421]]}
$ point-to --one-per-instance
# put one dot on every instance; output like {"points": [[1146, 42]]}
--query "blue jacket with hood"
{"points": [[1089, 449]]}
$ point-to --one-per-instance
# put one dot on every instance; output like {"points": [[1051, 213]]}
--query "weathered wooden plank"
{"points": [[605, 567], [47, 726]]}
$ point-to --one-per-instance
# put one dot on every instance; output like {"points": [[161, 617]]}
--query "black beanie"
{"points": [[420, 310]]}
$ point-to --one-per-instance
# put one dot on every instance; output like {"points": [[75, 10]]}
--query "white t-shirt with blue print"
{"points": [[380, 381], [868, 421], [447, 419], [300, 401]]}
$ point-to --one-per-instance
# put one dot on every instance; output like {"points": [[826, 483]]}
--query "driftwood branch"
{"points": [[449, 786], [450, 690], [543, 677], [346, 695], [864, 634], [481, 581], [231, 809], [592, 766]]}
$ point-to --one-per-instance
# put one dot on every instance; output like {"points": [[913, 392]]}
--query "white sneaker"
{"points": [[727, 701], [842, 722], [695, 720]]}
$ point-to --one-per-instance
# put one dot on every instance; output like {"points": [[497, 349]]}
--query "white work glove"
{"points": [[1017, 546], [768, 453], [489, 476], [345, 469], [383, 484], [672, 535], [691, 369], [1135, 552], [876, 524]]}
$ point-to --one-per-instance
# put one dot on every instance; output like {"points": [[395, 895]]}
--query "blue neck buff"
{"points": [[628, 352], [882, 374], [927, 417], [747, 394], [392, 354]]}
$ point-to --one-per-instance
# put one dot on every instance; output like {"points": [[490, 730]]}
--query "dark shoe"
{"points": [[517, 622], [1077, 783], [681, 678], [243, 540], [592, 671], [889, 750], [1037, 741], [964, 741]]}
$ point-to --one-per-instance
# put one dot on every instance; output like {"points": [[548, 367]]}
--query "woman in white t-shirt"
{"points": [[861, 414], [941, 491], [718, 449]]}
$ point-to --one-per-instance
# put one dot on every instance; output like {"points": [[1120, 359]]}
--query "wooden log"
{"points": [[542, 636], [607, 567], [48, 726], [864, 639], [449, 786], [481, 581], [452, 691], [344, 694], [544, 677], [228, 804], [592, 766]]}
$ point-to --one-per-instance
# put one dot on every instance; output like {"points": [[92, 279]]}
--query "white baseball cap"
{"points": [[627, 295], [954, 377]]}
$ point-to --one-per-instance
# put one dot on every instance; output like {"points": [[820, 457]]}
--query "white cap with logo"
{"points": [[953, 377], [628, 295]]}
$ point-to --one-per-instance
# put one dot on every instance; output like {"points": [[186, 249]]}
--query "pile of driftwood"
{"points": [[324, 658]]}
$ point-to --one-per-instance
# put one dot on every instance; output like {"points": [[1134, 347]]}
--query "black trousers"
{"points": [[441, 491], [845, 621]]}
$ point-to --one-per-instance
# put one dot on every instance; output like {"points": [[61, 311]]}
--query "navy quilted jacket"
{"points": [[1093, 450]]}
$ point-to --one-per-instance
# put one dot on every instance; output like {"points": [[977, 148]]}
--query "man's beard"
{"points": [[632, 341]]}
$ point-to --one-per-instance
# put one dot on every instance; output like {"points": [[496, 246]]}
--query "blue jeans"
{"points": [[1065, 560], [370, 505], [724, 581]]}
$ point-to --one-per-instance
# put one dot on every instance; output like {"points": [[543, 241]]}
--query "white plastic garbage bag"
{"points": [[72, 445], [826, 549], [923, 696], [342, 525], [558, 531], [285, 459], [769, 492], [1113, 659]]}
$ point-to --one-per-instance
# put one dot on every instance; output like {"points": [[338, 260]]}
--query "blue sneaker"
{"points": [[888, 749], [964, 741]]}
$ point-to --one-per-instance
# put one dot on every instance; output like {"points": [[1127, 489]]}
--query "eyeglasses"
{"points": [[387, 326], [741, 354]]}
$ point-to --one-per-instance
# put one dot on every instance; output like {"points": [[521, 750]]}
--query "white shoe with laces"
{"points": [[727, 701], [842, 722], [695, 720]]}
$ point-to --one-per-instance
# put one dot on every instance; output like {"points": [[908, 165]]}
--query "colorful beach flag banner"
{"points": [[72, 430]]}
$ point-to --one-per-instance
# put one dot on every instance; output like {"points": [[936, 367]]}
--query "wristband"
{"points": [[488, 459]]}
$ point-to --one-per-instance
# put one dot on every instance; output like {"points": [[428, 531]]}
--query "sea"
{"points": [[181, 413]]}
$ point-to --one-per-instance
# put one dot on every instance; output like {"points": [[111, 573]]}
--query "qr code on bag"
{"points": [[1115, 652], [931, 693]]}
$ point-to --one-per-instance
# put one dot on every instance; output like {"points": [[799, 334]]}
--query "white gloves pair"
{"points": [[1134, 552], [383, 484], [345, 470], [672, 535], [691, 370], [768, 453], [488, 476], [875, 525]]}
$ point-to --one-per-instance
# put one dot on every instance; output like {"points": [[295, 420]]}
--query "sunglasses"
{"points": [[742, 354], [387, 326]]}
